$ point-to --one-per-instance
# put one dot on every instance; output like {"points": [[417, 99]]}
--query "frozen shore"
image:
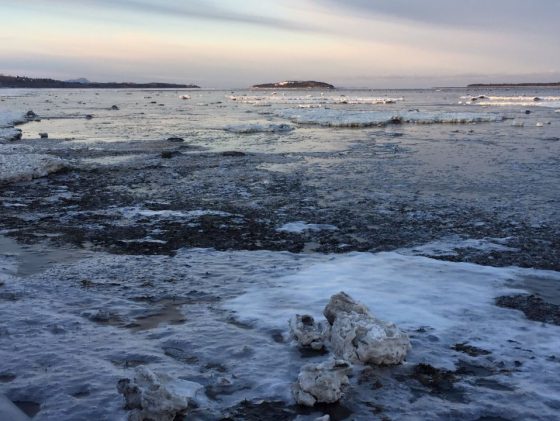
{"points": [[169, 242]]}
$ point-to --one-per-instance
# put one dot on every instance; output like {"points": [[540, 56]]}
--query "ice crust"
{"points": [[45, 338], [357, 119], [22, 163], [299, 227], [513, 101]]}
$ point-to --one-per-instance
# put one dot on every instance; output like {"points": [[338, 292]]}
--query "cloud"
{"points": [[535, 15], [193, 9]]}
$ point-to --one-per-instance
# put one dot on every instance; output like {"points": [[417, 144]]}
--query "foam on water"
{"points": [[63, 334], [348, 118]]}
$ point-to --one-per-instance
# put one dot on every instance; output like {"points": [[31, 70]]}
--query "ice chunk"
{"points": [[342, 303], [363, 338], [321, 383], [308, 333], [357, 336], [156, 397]]}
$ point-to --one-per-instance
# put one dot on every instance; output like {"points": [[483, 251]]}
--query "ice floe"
{"points": [[348, 118], [513, 101]]}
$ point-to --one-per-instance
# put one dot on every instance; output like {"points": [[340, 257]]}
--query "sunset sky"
{"points": [[236, 43]]}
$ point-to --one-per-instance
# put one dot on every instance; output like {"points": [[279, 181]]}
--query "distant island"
{"points": [[27, 82], [295, 84], [512, 85]]}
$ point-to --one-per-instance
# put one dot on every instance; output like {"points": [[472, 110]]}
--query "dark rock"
{"points": [[28, 407], [169, 154], [31, 115], [233, 153], [43, 135], [249, 411], [114, 107], [89, 116], [533, 306], [527, 111], [473, 351], [437, 379], [175, 139]]}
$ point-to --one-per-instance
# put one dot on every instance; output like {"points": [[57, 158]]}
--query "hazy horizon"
{"points": [[220, 44]]}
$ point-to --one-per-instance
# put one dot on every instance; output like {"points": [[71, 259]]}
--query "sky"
{"points": [[238, 43]]}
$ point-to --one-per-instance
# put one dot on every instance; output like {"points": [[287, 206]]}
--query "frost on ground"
{"points": [[219, 318], [349, 118], [21, 163]]}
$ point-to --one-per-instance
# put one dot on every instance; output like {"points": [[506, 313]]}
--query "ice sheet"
{"points": [[20, 163], [348, 118], [64, 335]]}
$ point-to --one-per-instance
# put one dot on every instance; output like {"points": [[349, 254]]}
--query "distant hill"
{"points": [[295, 84], [79, 80], [27, 82], [512, 85]]}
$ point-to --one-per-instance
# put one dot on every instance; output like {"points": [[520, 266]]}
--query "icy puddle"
{"points": [[220, 319]]}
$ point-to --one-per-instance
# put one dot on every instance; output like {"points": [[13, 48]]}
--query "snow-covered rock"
{"points": [[358, 336], [156, 397], [321, 383], [308, 333]]}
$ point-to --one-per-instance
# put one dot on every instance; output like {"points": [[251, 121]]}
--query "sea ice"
{"points": [[156, 397], [357, 119], [308, 333], [22, 164], [321, 383], [357, 336]]}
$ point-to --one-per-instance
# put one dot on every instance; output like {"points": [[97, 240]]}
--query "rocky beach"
{"points": [[192, 240]]}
